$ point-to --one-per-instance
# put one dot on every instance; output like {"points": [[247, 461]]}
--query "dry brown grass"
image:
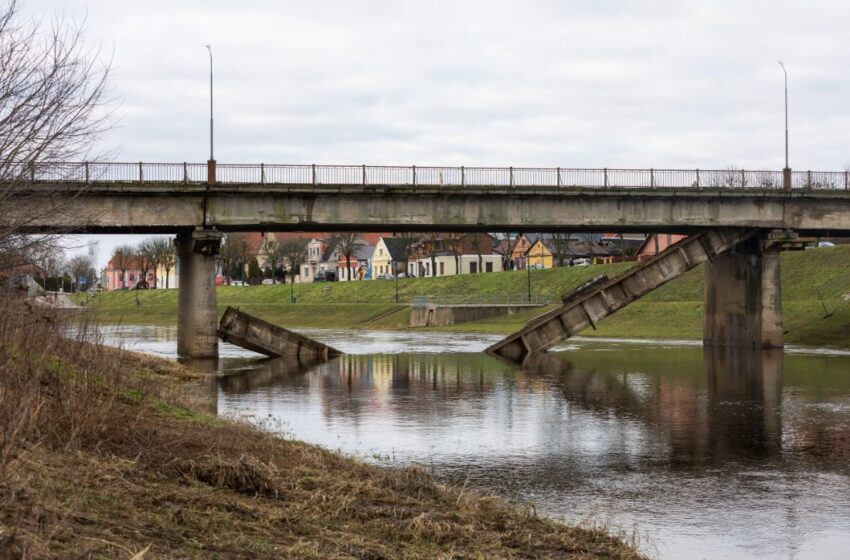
{"points": [[102, 458]]}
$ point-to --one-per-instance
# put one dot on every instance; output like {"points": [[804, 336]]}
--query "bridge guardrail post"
{"points": [[414, 175], [32, 173], [511, 170], [743, 179], [558, 179], [185, 173], [787, 180], [262, 173], [313, 176], [651, 178], [809, 180], [847, 180], [364, 173], [141, 173], [462, 176], [87, 171], [605, 180], [697, 178]]}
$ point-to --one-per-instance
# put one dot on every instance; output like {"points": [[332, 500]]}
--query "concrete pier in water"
{"points": [[743, 298], [197, 324]]}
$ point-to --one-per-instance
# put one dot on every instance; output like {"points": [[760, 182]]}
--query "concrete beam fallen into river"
{"points": [[252, 333]]}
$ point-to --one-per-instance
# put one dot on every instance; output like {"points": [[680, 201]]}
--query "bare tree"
{"points": [[507, 245], [295, 253], [561, 247], [408, 240], [234, 252], [123, 257], [81, 266], [165, 256], [53, 108], [433, 240], [347, 244], [148, 257], [274, 254]]}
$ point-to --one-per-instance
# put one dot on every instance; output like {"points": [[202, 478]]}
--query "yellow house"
{"points": [[389, 257], [539, 254]]}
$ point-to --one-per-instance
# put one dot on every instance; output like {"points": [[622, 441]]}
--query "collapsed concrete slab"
{"points": [[252, 333], [601, 297]]}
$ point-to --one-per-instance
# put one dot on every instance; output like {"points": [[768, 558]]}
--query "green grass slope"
{"points": [[811, 280]]}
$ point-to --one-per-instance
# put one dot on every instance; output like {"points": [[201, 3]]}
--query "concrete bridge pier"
{"points": [[196, 300], [743, 298]]}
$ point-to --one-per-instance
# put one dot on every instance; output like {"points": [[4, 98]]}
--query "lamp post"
{"points": [[395, 273], [786, 172], [211, 162]]}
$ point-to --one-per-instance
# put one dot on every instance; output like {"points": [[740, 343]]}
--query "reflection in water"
{"points": [[732, 455]]}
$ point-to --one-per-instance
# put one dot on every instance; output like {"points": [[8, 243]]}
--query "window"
{"points": [[442, 269], [473, 267], [488, 267]]}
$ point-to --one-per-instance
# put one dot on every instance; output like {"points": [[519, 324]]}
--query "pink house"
{"points": [[655, 243], [112, 276]]}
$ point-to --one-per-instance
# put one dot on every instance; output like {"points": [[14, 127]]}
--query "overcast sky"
{"points": [[593, 83]]}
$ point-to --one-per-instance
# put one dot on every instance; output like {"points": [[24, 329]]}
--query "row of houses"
{"points": [[382, 255]]}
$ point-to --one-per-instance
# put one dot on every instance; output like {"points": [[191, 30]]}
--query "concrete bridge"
{"points": [[200, 201]]}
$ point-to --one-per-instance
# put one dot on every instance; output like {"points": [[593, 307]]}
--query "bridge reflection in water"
{"points": [[726, 405], [679, 441]]}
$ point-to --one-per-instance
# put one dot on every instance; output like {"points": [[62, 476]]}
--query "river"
{"points": [[698, 454]]}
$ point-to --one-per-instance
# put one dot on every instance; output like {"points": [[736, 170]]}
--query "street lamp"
{"points": [[786, 173], [209, 49], [395, 271]]}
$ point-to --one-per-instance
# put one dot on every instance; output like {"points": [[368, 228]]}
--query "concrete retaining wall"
{"points": [[433, 315]]}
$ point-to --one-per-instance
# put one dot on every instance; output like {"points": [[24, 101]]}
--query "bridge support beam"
{"points": [[743, 298], [196, 298]]}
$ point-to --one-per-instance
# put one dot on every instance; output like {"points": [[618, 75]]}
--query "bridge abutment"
{"points": [[743, 298], [196, 298]]}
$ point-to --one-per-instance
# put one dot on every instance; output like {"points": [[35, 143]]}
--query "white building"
{"points": [[446, 265]]}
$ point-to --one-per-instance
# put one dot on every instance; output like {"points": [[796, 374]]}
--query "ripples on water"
{"points": [[710, 455]]}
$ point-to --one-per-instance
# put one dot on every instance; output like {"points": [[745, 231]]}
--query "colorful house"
{"points": [[115, 279], [389, 257], [655, 243]]}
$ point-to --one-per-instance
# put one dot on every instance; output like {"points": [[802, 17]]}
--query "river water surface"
{"points": [[699, 454]]}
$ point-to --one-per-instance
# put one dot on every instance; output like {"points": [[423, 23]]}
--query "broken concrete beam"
{"points": [[252, 333]]}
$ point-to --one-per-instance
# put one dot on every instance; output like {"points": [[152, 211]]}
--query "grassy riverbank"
{"points": [[105, 454], [811, 280]]}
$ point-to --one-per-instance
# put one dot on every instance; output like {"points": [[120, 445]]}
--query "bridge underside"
{"points": [[166, 208]]}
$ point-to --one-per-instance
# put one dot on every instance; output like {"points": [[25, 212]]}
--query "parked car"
{"points": [[268, 282], [238, 283], [325, 276], [820, 244], [584, 261]]}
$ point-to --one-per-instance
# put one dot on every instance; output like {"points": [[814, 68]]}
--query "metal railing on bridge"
{"points": [[381, 175]]}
